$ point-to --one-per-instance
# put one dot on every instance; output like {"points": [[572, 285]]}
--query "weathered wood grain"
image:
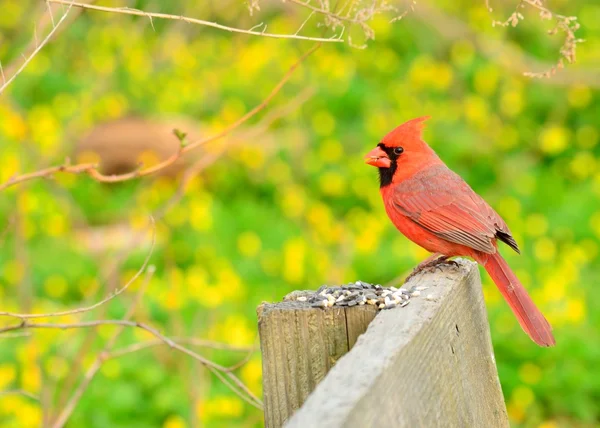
{"points": [[299, 346], [430, 364]]}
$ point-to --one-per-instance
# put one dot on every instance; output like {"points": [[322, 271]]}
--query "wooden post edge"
{"points": [[430, 364]]}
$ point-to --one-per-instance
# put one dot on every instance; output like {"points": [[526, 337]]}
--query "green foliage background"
{"points": [[292, 207]]}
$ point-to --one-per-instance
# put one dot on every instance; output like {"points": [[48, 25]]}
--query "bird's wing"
{"points": [[443, 203]]}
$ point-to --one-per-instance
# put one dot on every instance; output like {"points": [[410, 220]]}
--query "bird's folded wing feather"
{"points": [[443, 203]]}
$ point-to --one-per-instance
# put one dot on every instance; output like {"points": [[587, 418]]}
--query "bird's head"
{"points": [[402, 150]]}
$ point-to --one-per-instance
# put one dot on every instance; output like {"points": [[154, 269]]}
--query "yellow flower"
{"points": [[544, 249], [462, 52], [332, 183], [251, 374], [587, 137], [174, 421], [249, 244], [554, 139], [486, 79], [56, 286], [111, 369], [330, 151], [294, 252], [511, 103], [323, 123], [579, 96], [576, 310], [8, 373], [536, 225], [530, 373]]}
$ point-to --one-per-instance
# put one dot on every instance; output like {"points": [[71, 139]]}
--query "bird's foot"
{"points": [[431, 264]]}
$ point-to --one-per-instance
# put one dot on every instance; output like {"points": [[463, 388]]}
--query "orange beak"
{"points": [[377, 157]]}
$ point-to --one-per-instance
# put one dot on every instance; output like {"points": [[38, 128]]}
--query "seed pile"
{"points": [[360, 293]]}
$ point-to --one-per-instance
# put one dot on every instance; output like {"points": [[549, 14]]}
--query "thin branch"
{"points": [[103, 301], [64, 415], [565, 24], [151, 15], [36, 50], [214, 367], [19, 392], [91, 169], [181, 340]]}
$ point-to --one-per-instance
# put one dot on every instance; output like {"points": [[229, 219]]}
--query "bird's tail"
{"points": [[529, 316]]}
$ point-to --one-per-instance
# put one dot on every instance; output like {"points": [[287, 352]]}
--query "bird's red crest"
{"points": [[408, 132]]}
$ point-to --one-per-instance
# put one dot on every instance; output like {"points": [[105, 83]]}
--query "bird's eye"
{"points": [[398, 150]]}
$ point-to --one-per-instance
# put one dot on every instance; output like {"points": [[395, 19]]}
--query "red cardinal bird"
{"points": [[435, 208]]}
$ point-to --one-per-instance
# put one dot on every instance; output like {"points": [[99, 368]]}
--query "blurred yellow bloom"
{"points": [[249, 244], [530, 373], [583, 164], [323, 123], [56, 225], [544, 249], [56, 286], [536, 225], [111, 368], [223, 406], [486, 79], [29, 415], [522, 397], [234, 330], [175, 421], [31, 377], [251, 374], [57, 367], [576, 310], [330, 151], [11, 165], [270, 263], [548, 424], [8, 373], [554, 139], [11, 13], [200, 212], [294, 253], [211, 296], [509, 207], [587, 137], [332, 183], [12, 124], [462, 52], [595, 223], [511, 103], [252, 157], [279, 172], [476, 110], [45, 128], [579, 96], [13, 272]]}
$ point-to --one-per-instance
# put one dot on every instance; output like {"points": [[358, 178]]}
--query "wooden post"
{"points": [[429, 364], [299, 345]]}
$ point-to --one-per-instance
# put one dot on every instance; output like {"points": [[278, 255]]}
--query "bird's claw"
{"points": [[435, 264]]}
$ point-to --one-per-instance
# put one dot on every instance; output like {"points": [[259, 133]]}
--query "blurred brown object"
{"points": [[121, 145]]}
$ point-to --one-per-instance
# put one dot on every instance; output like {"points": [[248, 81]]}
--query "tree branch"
{"points": [[151, 15], [91, 169]]}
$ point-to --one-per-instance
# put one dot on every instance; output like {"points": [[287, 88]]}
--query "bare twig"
{"points": [[220, 371], [91, 169], [19, 392], [565, 24], [507, 56], [151, 15], [36, 50], [103, 301], [64, 415]]}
